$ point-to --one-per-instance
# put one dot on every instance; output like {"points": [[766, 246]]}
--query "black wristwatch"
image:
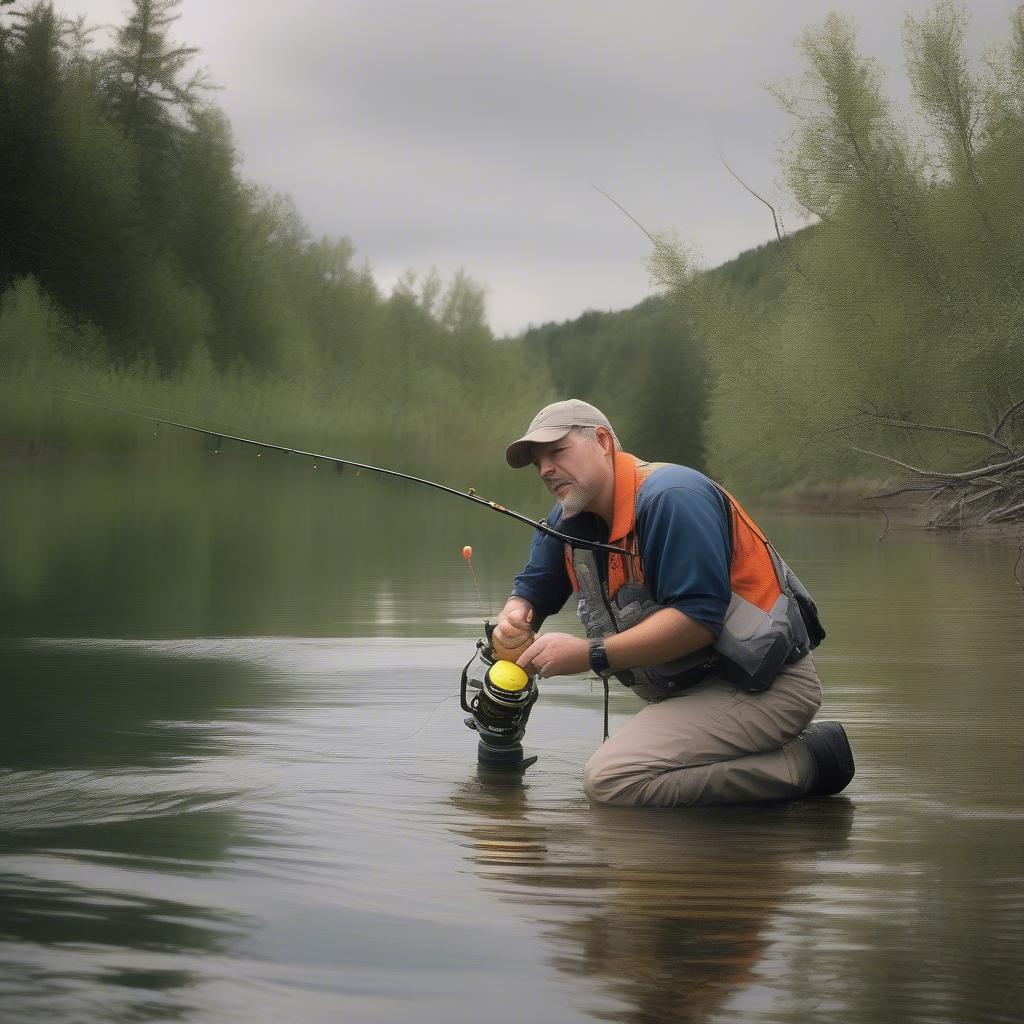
{"points": [[599, 658]]}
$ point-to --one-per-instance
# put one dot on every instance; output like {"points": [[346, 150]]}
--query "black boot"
{"points": [[832, 756]]}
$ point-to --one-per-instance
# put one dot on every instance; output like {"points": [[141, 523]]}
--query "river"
{"points": [[237, 784]]}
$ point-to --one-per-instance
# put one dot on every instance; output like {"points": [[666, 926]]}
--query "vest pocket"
{"points": [[808, 609]]}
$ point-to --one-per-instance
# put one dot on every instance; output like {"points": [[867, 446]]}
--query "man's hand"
{"points": [[513, 632], [555, 654]]}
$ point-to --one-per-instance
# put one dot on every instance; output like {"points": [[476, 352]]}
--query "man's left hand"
{"points": [[555, 654]]}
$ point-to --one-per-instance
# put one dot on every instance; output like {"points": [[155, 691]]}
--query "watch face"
{"points": [[599, 658]]}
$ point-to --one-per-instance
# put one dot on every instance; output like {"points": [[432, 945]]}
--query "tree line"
{"points": [[136, 261]]}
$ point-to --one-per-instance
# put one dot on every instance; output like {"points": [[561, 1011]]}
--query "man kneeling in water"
{"points": [[704, 621]]}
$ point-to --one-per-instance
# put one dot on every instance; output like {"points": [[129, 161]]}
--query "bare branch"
{"points": [[984, 494], [1006, 416], [892, 421], [973, 474], [910, 488], [868, 417], [775, 217], [1002, 513], [873, 416], [656, 242]]}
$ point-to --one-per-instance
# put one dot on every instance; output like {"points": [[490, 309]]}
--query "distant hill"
{"points": [[641, 365]]}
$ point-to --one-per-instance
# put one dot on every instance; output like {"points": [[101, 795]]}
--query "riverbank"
{"points": [[858, 498]]}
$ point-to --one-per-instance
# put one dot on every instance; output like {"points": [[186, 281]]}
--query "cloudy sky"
{"points": [[461, 133]]}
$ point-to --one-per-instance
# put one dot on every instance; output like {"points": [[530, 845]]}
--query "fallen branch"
{"points": [[971, 474], [983, 494]]}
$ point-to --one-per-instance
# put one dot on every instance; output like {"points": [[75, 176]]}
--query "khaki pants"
{"points": [[713, 744]]}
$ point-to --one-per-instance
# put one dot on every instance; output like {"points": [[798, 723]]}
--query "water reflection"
{"points": [[107, 786], [234, 548], [671, 912]]}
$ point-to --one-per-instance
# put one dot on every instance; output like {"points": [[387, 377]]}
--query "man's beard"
{"points": [[575, 500]]}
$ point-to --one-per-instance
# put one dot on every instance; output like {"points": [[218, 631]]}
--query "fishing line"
{"points": [[467, 554], [408, 736], [433, 710]]}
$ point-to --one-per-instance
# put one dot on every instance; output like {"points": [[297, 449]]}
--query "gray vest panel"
{"points": [[751, 650]]}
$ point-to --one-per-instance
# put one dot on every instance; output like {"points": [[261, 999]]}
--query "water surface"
{"points": [[237, 786]]}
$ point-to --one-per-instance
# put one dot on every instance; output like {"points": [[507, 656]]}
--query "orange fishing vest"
{"points": [[771, 619]]}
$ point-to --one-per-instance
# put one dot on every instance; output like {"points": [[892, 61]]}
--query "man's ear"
{"points": [[605, 440]]}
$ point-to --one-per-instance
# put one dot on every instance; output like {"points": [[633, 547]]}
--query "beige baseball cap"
{"points": [[551, 423]]}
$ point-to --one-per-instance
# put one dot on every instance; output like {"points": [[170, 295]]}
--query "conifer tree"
{"points": [[144, 70], [33, 164], [147, 87]]}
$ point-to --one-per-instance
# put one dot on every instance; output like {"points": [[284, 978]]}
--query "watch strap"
{"points": [[599, 657]]}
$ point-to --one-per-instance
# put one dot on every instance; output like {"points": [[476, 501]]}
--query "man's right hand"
{"points": [[513, 632]]}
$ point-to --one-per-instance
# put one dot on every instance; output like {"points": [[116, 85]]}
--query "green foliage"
{"points": [[640, 367], [904, 300], [30, 325], [137, 263], [143, 73], [143, 84]]}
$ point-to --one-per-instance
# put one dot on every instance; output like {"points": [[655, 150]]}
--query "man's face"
{"points": [[573, 469]]}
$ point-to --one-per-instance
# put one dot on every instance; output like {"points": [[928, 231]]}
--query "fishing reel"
{"points": [[500, 708]]}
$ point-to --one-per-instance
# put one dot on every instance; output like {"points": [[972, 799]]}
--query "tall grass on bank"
{"points": [[420, 416]]}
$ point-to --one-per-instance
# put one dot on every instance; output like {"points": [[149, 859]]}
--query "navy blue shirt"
{"points": [[682, 528]]}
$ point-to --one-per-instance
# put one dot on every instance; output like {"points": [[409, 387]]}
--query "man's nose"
{"points": [[545, 466]]}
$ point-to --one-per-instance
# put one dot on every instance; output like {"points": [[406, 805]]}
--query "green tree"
{"points": [[902, 303], [33, 165], [222, 241], [146, 85]]}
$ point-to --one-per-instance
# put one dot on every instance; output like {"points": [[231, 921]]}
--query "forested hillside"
{"points": [[646, 366]]}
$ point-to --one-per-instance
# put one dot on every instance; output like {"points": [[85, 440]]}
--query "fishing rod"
{"points": [[116, 405]]}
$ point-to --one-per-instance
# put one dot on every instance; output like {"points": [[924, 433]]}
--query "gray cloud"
{"points": [[467, 134]]}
